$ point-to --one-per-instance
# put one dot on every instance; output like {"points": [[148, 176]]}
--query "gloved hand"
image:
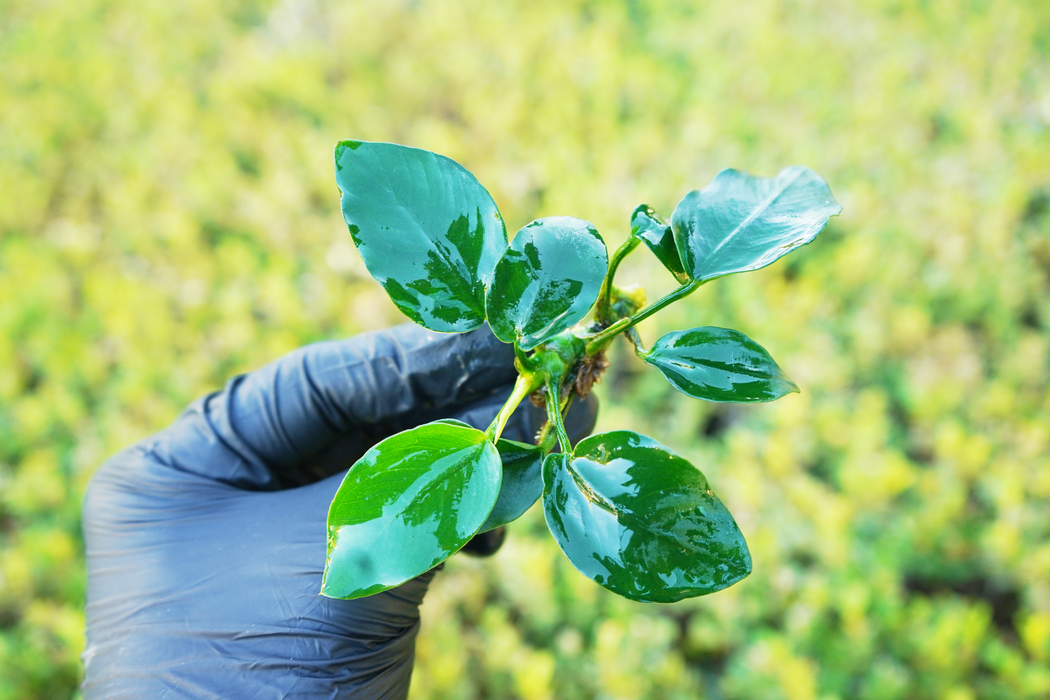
{"points": [[206, 541]]}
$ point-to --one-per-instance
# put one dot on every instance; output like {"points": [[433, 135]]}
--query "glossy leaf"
{"points": [[454, 421], [426, 228], [522, 482], [647, 225], [546, 281], [741, 222], [407, 505], [640, 520], [719, 364]]}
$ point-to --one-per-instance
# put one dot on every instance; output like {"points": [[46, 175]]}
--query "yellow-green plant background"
{"points": [[168, 217]]}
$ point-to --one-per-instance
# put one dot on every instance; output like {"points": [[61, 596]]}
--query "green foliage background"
{"points": [[168, 217]]}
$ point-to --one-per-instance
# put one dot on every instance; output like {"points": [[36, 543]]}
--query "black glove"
{"points": [[206, 542]]}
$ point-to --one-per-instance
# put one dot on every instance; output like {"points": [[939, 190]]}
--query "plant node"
{"points": [[588, 372]]}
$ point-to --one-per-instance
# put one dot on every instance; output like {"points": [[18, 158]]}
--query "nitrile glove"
{"points": [[206, 541]]}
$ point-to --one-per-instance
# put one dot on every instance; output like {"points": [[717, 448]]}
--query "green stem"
{"points": [[604, 307], [524, 386], [521, 357], [597, 343], [554, 416], [680, 293], [546, 438], [636, 340]]}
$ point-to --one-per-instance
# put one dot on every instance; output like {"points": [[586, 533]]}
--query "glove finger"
{"points": [[523, 425], [485, 544], [347, 449], [581, 417], [267, 429], [527, 419]]}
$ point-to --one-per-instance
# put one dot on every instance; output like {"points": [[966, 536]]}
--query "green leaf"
{"points": [[640, 520], [546, 281], [647, 225], [426, 228], [719, 364], [407, 505], [522, 482], [740, 222]]}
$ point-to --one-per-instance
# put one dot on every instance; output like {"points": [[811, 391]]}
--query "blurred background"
{"points": [[169, 217]]}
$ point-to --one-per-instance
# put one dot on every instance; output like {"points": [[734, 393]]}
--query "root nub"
{"points": [[583, 378], [589, 372]]}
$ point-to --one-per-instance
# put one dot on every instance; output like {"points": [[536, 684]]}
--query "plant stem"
{"points": [[680, 293], [546, 438], [599, 341], [523, 386], [520, 357], [546, 445], [604, 306], [636, 340], [554, 416]]}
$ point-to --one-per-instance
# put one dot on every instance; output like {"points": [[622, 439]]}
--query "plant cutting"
{"points": [[628, 512]]}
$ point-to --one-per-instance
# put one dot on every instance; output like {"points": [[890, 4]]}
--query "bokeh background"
{"points": [[168, 217]]}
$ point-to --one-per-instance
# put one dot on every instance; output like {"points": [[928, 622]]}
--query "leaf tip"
{"points": [[326, 590], [341, 148], [640, 214]]}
